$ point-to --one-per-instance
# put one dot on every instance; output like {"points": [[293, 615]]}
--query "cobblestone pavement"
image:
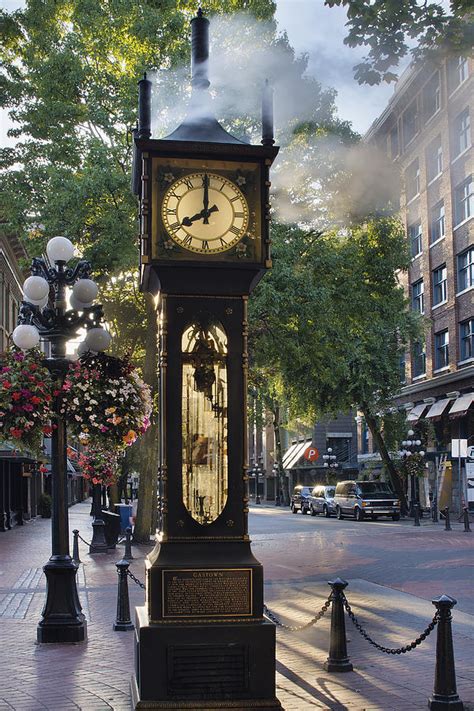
{"points": [[393, 572]]}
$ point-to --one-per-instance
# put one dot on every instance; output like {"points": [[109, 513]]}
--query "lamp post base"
{"points": [[98, 543], [62, 618]]}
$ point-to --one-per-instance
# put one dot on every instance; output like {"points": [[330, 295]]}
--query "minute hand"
{"points": [[205, 199]]}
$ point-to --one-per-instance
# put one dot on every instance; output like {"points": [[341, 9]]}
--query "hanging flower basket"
{"points": [[414, 465], [106, 403], [26, 391], [97, 465]]}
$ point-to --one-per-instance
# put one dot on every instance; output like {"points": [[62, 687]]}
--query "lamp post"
{"points": [[276, 474], [62, 618], [258, 471], [412, 446], [330, 462]]}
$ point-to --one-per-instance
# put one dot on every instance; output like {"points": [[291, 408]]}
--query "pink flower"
{"points": [[28, 408], [103, 428]]}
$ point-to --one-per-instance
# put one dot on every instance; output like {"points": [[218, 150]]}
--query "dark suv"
{"points": [[366, 498], [300, 499]]}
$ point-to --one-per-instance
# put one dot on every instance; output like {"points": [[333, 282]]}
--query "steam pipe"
{"points": [[199, 51], [144, 107], [267, 115]]}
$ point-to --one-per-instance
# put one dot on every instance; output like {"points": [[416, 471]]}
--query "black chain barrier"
{"points": [[271, 616], [136, 580], [388, 650], [84, 540]]}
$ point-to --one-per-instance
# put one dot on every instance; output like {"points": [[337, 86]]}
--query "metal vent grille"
{"points": [[202, 671]]}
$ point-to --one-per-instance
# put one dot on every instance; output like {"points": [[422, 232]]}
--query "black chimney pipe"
{"points": [[267, 115], [144, 107], [199, 51]]}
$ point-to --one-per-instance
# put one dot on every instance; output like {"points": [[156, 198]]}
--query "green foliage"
{"points": [[44, 506], [331, 318], [388, 28]]}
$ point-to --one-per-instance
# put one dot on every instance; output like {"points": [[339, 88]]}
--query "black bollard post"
{"points": [[435, 510], [337, 661], [445, 696], [416, 513], [467, 528], [75, 547], [128, 544], [123, 622], [447, 521]]}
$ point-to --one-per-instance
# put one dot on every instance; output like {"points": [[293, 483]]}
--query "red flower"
{"points": [[16, 432], [47, 397], [47, 429], [7, 384], [56, 393], [16, 396], [35, 400]]}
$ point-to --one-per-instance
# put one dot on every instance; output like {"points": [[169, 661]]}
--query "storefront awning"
{"points": [[437, 409], [461, 405], [293, 454], [415, 414]]}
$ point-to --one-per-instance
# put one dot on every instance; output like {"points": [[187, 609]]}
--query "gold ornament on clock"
{"points": [[205, 213]]}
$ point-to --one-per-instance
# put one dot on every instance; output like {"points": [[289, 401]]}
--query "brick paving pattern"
{"points": [[95, 676]]}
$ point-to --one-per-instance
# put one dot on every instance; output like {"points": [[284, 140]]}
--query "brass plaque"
{"points": [[211, 592]]}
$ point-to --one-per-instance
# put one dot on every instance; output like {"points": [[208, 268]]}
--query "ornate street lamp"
{"points": [[62, 618], [330, 460], [258, 472], [412, 446]]}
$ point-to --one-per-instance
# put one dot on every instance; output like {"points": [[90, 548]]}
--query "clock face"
{"points": [[205, 212]]}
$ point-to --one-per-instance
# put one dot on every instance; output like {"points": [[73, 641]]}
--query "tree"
{"points": [[389, 26], [332, 320], [68, 79]]}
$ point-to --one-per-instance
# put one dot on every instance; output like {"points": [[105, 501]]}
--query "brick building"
{"points": [[426, 130]]}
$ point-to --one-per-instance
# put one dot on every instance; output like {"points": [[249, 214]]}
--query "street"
{"points": [[393, 571]]}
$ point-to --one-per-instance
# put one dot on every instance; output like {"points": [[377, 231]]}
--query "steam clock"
{"points": [[202, 640]]}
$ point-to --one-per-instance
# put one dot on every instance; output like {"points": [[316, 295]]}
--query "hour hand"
{"points": [[188, 221]]}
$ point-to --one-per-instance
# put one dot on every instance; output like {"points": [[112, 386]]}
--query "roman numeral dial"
{"points": [[205, 212]]}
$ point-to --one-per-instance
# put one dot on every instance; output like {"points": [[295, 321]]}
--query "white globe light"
{"points": [[421, 453], [409, 443], [78, 305], [326, 464], [410, 433], [98, 339], [85, 290], [418, 442], [329, 450], [60, 249], [25, 337], [35, 289]]}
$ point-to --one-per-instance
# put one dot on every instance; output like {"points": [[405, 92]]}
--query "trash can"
{"points": [[125, 513], [112, 527]]}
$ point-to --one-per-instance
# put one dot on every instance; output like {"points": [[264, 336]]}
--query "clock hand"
{"points": [[204, 214], [205, 200]]}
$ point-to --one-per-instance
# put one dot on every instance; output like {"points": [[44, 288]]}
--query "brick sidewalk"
{"points": [[95, 676]]}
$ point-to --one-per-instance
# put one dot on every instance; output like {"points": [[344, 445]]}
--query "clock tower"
{"points": [[202, 641]]}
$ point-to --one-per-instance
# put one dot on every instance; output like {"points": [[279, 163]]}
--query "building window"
{"points": [[431, 96], [462, 133], [466, 269], [419, 360], [414, 236], [441, 349], [458, 71], [412, 180], [418, 296], [440, 285], [434, 159], [410, 123], [394, 144], [466, 336], [464, 201], [437, 222]]}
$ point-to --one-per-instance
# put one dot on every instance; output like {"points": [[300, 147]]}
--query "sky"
{"points": [[319, 31]]}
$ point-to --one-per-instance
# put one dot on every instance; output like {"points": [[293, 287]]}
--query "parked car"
{"points": [[321, 500], [366, 498], [300, 499]]}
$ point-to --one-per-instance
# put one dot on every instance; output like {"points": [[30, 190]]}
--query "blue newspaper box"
{"points": [[125, 513]]}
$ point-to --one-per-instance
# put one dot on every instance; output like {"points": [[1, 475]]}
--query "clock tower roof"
{"points": [[200, 124]]}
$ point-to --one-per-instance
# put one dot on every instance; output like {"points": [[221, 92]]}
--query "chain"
{"points": [[388, 650], [313, 621], [135, 580], [83, 540]]}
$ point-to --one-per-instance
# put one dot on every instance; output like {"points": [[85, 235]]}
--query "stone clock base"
{"points": [[229, 665]]}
